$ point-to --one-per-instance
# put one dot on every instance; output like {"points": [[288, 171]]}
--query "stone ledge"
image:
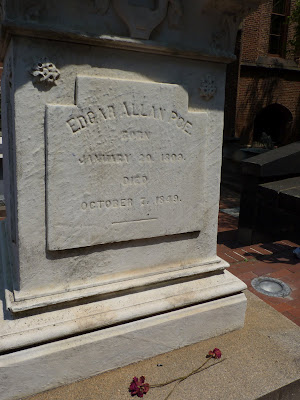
{"points": [[262, 362], [110, 41], [47, 366]]}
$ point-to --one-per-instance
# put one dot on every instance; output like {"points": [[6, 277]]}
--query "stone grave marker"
{"points": [[112, 132]]}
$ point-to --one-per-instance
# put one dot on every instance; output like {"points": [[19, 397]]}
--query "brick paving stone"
{"points": [[282, 307], [296, 294], [282, 258], [277, 266], [261, 249], [227, 222], [295, 312], [293, 268], [241, 269], [234, 271], [282, 273], [249, 249], [291, 278], [274, 259], [246, 254], [279, 247], [289, 243], [247, 276], [260, 270], [273, 301], [297, 321], [269, 300], [221, 253], [290, 283], [292, 317], [295, 289], [248, 257], [248, 264], [235, 255], [283, 243], [272, 248], [296, 275], [228, 258]]}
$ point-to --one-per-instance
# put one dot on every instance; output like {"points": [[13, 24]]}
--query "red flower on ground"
{"points": [[138, 387], [216, 353]]}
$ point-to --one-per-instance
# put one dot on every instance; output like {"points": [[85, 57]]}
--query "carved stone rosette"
{"points": [[46, 72], [207, 88]]}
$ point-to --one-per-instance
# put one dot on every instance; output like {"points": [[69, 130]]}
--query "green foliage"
{"points": [[295, 20]]}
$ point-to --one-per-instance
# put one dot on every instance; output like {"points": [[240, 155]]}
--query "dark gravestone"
{"points": [[266, 177], [278, 209]]}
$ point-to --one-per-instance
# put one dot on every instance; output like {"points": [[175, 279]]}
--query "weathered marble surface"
{"points": [[123, 164], [51, 184], [203, 27], [112, 130]]}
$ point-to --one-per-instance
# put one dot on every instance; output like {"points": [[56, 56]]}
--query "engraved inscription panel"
{"points": [[126, 162]]}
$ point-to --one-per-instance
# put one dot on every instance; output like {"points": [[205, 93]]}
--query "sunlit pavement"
{"points": [[275, 259]]}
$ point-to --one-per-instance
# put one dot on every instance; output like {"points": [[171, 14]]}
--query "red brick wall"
{"points": [[256, 29], [260, 87], [259, 84]]}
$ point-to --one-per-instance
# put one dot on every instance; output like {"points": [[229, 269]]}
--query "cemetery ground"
{"points": [[261, 361], [263, 259]]}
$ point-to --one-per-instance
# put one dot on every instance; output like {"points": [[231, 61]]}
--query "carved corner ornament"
{"points": [[207, 88], [46, 72], [101, 6], [228, 15], [175, 14], [223, 39], [143, 16], [34, 11]]}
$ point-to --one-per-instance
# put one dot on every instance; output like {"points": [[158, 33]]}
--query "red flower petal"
{"points": [[217, 353], [138, 387], [133, 386]]}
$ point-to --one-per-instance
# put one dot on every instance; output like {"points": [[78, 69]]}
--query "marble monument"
{"points": [[112, 127]]}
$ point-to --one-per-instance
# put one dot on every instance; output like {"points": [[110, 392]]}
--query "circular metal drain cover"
{"points": [[271, 286]]}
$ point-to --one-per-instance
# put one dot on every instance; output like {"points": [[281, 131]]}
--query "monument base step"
{"points": [[117, 308], [260, 361], [43, 367]]}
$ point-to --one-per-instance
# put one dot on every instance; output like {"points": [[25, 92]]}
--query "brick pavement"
{"points": [[268, 259]]}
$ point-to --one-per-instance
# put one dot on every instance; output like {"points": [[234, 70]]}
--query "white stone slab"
{"points": [[124, 163], [118, 305], [39, 272], [54, 364]]}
